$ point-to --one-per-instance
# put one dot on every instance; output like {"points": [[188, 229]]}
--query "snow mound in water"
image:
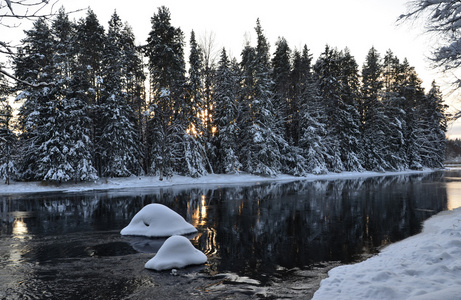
{"points": [[157, 220], [176, 252]]}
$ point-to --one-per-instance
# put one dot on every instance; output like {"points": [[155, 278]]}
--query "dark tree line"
{"points": [[94, 104]]}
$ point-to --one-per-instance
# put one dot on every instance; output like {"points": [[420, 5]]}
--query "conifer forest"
{"points": [[92, 103]]}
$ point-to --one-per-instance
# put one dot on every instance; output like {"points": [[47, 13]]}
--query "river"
{"points": [[272, 240]]}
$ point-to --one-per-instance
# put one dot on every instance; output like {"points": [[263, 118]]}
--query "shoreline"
{"points": [[177, 180]]}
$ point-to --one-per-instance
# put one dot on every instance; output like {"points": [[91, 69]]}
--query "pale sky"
{"points": [[356, 24]]}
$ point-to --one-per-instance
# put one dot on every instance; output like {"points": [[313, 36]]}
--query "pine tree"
{"points": [[373, 119], [133, 84], [210, 56], [166, 66], [194, 112], [349, 118], [288, 118], [118, 143], [413, 94], [8, 143], [66, 154], [432, 129], [259, 153], [396, 156], [311, 128], [90, 40], [225, 117], [33, 64], [327, 72]]}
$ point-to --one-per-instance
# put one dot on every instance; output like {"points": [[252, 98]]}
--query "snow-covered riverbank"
{"points": [[424, 266], [152, 182]]}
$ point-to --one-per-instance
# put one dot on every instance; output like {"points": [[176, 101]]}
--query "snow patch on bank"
{"points": [[424, 266], [177, 180]]}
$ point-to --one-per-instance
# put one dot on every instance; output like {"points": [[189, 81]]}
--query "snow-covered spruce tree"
{"points": [[210, 57], [166, 125], [33, 64], [8, 143], [52, 120], [393, 101], [351, 143], [90, 40], [373, 118], [133, 85], [225, 117], [413, 94], [433, 126], [259, 150], [69, 151], [328, 72], [118, 144], [312, 128], [195, 159], [263, 149], [287, 108]]}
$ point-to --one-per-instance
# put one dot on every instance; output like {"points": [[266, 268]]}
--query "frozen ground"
{"points": [[147, 181], [425, 266]]}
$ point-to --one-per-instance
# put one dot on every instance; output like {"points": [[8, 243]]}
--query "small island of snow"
{"points": [[176, 252], [157, 220]]}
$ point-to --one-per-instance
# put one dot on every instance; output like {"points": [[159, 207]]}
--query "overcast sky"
{"points": [[356, 24]]}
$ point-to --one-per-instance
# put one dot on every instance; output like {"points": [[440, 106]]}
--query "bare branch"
{"points": [[442, 19], [8, 2], [208, 45], [24, 9], [34, 85], [8, 50], [28, 9]]}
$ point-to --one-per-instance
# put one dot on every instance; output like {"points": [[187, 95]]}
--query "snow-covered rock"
{"points": [[157, 220], [176, 252]]}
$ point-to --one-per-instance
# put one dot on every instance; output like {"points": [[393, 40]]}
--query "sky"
{"points": [[356, 24]]}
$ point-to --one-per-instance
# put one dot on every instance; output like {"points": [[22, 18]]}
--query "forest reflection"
{"points": [[251, 230]]}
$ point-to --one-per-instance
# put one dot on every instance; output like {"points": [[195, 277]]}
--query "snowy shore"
{"points": [[424, 266], [154, 182]]}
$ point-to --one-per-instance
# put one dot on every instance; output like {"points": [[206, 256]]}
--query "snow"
{"points": [[164, 93], [136, 182], [425, 266], [176, 252], [157, 220]]}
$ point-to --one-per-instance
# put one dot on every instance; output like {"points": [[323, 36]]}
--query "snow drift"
{"points": [[176, 252], [157, 220], [425, 266]]}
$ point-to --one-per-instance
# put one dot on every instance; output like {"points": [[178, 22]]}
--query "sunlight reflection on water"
{"points": [[453, 194], [19, 228]]}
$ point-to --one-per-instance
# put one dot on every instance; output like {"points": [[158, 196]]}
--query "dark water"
{"points": [[263, 241]]}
